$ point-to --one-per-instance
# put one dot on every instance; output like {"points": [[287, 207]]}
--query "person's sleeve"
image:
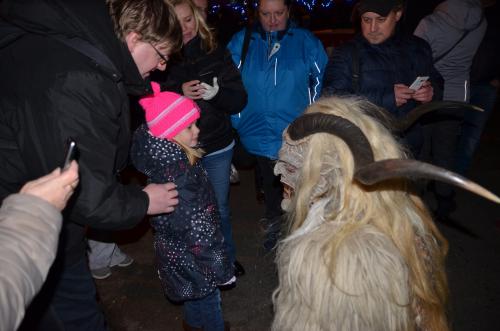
{"points": [[234, 47], [317, 64], [383, 97], [89, 109], [29, 234], [427, 67], [232, 96], [338, 73]]}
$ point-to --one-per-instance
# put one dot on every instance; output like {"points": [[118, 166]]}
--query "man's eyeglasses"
{"points": [[163, 58]]}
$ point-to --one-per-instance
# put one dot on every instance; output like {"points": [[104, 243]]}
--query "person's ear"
{"points": [[399, 13], [132, 39]]}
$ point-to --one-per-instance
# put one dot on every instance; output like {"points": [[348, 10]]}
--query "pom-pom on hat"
{"points": [[168, 113]]}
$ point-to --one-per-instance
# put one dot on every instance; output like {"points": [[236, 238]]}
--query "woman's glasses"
{"points": [[163, 58]]}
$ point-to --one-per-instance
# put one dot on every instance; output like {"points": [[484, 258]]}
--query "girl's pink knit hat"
{"points": [[168, 113]]}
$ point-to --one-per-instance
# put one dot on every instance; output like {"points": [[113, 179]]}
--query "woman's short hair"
{"points": [[153, 20]]}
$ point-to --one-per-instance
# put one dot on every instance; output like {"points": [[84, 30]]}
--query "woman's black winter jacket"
{"points": [[51, 91], [215, 125]]}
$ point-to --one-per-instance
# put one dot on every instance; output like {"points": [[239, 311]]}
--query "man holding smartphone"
{"points": [[380, 64], [67, 68]]}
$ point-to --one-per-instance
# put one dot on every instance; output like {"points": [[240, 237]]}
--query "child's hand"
{"points": [[162, 198]]}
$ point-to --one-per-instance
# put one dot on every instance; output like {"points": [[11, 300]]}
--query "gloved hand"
{"points": [[210, 91]]}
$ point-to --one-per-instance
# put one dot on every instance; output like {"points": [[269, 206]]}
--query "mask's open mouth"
{"points": [[287, 191]]}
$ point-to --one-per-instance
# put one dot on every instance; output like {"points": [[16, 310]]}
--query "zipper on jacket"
{"points": [[275, 67]]}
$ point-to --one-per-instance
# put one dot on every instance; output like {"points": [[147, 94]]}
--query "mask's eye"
{"points": [[285, 165], [291, 169]]}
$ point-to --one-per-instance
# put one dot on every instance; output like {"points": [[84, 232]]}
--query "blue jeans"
{"points": [[218, 167], [66, 302], [482, 95], [205, 313]]}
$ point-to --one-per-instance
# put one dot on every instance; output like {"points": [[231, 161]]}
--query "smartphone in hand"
{"points": [[206, 77], [70, 154], [419, 81]]}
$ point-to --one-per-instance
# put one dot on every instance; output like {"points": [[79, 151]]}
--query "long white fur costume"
{"points": [[370, 291], [367, 286]]}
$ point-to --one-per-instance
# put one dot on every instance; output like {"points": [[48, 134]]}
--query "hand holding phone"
{"points": [[419, 81], [70, 154]]}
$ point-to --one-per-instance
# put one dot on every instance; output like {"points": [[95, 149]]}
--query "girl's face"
{"points": [[188, 136], [186, 19]]}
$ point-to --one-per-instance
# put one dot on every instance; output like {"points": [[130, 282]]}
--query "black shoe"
{"points": [[238, 269]]}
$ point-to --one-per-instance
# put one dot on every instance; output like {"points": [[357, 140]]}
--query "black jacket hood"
{"points": [[88, 20]]}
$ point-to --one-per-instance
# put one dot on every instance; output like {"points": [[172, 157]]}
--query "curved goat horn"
{"points": [[396, 168], [359, 145], [405, 122], [368, 172]]}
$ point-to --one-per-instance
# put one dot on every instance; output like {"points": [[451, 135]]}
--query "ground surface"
{"points": [[132, 297]]}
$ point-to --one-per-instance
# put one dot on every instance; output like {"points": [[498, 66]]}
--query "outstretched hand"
{"points": [[56, 188]]}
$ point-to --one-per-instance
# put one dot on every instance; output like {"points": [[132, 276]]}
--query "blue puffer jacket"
{"points": [[282, 74], [400, 59]]}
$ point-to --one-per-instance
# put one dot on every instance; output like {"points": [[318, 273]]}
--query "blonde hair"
{"points": [[193, 154], [389, 207], [208, 41]]}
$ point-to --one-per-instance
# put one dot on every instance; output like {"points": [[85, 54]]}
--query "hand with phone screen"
{"points": [[402, 94], [420, 90], [70, 154], [56, 188], [193, 89], [418, 82], [423, 89]]}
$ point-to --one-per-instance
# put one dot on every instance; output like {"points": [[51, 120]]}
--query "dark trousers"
{"points": [[484, 96], [273, 189], [441, 135], [66, 302]]}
